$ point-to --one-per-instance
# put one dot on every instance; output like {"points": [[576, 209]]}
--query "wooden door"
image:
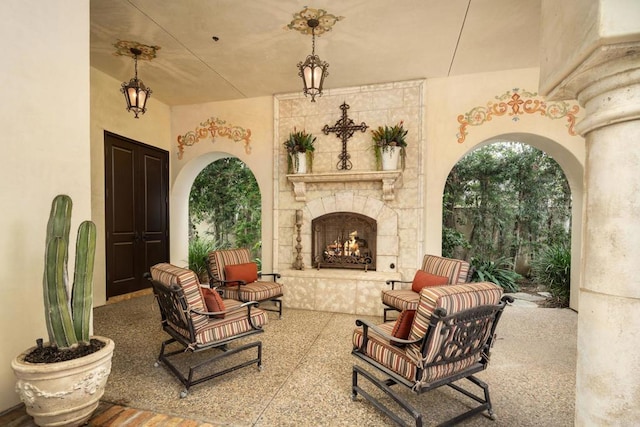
{"points": [[137, 212]]}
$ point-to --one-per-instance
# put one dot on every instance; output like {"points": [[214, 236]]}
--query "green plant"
{"points": [[68, 316], [384, 138], [299, 141], [199, 249], [552, 268], [452, 239], [499, 272]]}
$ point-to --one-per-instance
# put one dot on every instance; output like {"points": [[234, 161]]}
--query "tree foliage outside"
{"points": [[225, 209], [506, 201]]}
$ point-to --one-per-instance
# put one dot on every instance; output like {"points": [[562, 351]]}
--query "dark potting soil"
{"points": [[51, 354]]}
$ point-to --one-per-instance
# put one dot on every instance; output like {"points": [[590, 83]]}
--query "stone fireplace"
{"points": [[344, 240], [352, 230]]}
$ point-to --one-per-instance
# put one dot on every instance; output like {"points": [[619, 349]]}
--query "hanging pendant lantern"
{"points": [[313, 70], [135, 92]]}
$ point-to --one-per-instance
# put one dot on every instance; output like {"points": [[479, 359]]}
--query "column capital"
{"points": [[606, 84]]}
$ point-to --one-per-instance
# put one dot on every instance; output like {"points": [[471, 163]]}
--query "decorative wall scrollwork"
{"points": [[210, 128], [515, 103]]}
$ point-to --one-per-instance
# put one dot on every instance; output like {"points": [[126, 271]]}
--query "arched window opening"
{"points": [[224, 211], [507, 210]]}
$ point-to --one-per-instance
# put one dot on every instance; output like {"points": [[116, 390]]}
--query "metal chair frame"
{"points": [[214, 284], [174, 311], [469, 333]]}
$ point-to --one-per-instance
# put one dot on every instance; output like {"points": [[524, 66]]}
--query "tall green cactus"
{"points": [[68, 318]]}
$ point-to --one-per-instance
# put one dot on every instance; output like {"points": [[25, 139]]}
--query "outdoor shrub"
{"points": [[452, 239], [552, 268], [199, 248], [499, 272]]}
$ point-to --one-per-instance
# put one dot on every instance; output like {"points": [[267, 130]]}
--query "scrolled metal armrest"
{"points": [[366, 325], [392, 282], [242, 306], [507, 298], [275, 275]]}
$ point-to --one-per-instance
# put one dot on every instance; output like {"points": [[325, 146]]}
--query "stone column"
{"points": [[606, 82]]}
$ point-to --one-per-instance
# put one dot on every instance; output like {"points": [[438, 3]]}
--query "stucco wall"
{"points": [[45, 132], [108, 112]]}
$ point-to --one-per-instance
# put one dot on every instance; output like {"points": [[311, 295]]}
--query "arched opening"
{"points": [[224, 212], [573, 172], [181, 189], [506, 209]]}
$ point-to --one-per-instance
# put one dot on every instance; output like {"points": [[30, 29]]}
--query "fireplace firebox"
{"points": [[344, 240]]}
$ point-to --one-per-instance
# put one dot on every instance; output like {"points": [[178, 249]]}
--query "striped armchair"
{"points": [[235, 276], [188, 320], [447, 339], [400, 298]]}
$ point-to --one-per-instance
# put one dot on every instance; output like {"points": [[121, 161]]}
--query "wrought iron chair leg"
{"points": [[189, 380], [356, 389], [485, 404], [386, 310]]}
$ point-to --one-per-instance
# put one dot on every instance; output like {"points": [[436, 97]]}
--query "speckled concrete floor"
{"points": [[307, 372]]}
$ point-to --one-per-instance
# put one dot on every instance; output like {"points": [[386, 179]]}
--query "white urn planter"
{"points": [[63, 393], [390, 157], [299, 162]]}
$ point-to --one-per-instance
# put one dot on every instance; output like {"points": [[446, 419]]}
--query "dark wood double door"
{"points": [[137, 212]]}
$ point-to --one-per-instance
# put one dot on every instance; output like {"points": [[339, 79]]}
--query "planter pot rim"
{"points": [[104, 352]]}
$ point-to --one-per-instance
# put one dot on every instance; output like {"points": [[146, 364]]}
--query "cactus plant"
{"points": [[68, 317]]}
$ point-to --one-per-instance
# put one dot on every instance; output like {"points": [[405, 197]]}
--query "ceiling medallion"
{"points": [[124, 48], [325, 21]]}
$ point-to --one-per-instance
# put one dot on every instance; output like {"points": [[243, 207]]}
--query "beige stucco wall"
{"points": [[254, 115], [108, 113], [44, 117]]}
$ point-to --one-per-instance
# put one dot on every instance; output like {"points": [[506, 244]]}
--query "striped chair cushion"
{"points": [[402, 299], [218, 259], [381, 350], [169, 274], [256, 291], [452, 298], [455, 269], [233, 324]]}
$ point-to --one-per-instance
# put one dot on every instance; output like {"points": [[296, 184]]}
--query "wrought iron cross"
{"points": [[344, 129]]}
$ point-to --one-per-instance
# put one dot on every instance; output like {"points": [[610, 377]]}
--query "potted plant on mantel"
{"points": [[300, 149], [62, 381], [389, 143]]}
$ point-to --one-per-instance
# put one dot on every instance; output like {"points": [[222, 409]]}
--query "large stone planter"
{"points": [[63, 393]]}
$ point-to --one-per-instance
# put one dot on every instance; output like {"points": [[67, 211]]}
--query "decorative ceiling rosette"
{"points": [[326, 21], [123, 48]]}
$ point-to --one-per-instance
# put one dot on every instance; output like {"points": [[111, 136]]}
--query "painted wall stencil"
{"points": [[515, 103], [210, 128]]}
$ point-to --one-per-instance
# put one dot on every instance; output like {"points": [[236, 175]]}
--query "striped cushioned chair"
{"points": [[259, 290], [458, 271], [452, 332], [186, 319]]}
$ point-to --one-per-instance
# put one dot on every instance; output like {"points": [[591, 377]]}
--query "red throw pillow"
{"points": [[247, 272], [423, 279], [214, 302], [403, 325]]}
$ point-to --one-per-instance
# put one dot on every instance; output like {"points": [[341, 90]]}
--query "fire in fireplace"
{"points": [[344, 240]]}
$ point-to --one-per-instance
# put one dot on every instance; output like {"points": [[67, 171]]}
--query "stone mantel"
{"points": [[390, 181]]}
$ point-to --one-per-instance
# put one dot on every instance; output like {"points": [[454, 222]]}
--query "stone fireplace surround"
{"points": [[393, 199]]}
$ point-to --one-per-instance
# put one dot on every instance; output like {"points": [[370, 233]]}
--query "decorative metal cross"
{"points": [[344, 129]]}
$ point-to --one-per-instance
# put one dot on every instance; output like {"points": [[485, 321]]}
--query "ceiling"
{"points": [[376, 41]]}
